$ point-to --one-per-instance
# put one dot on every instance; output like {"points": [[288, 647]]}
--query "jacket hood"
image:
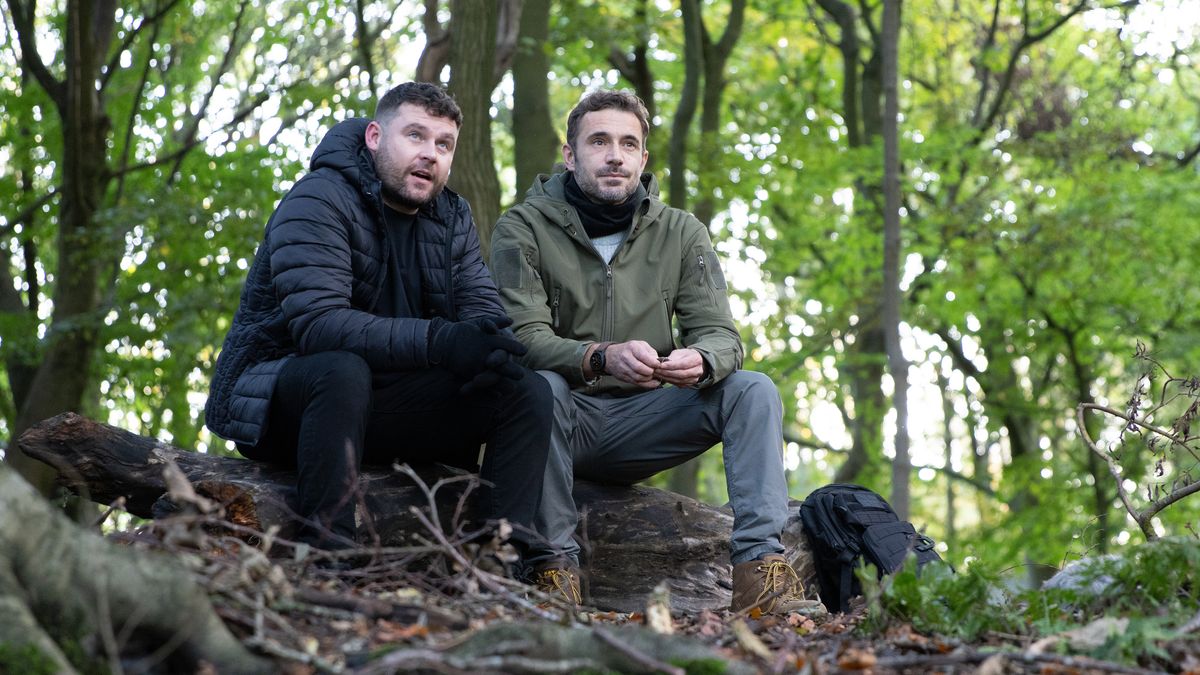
{"points": [[344, 149]]}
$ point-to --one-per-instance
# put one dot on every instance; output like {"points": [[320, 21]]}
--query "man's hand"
{"points": [[683, 368], [633, 362], [478, 352]]}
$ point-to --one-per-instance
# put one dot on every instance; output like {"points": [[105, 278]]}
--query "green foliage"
{"points": [[1153, 587], [963, 605], [26, 659]]}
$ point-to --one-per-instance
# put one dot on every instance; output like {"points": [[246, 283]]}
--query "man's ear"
{"points": [[372, 136], [568, 157]]}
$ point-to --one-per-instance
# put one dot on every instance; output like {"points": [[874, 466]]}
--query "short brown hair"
{"points": [[604, 99], [435, 100]]}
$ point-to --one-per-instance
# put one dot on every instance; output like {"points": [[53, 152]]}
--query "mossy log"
{"points": [[634, 536], [71, 601]]}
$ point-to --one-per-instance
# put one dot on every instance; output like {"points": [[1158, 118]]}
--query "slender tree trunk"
{"points": [[948, 456], [716, 59], [472, 63], [685, 479], [635, 67], [61, 380], [865, 361], [535, 142], [897, 364], [689, 98]]}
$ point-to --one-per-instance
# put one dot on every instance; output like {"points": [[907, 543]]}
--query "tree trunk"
{"points": [[61, 588], [535, 142], [865, 360], [689, 96], [635, 67], [901, 465], [61, 379], [716, 57], [472, 62], [633, 537]]}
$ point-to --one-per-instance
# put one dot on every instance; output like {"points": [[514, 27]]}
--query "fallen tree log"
{"points": [[61, 587], [634, 537]]}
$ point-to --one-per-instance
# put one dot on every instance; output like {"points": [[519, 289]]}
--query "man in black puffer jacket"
{"points": [[369, 329]]}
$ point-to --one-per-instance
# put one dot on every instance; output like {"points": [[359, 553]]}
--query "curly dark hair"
{"points": [[605, 99], [435, 100]]}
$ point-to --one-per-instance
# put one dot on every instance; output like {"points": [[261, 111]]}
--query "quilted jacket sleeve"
{"points": [[312, 274]]}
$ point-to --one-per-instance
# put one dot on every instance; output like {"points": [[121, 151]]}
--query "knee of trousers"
{"points": [[343, 376], [563, 412], [755, 389], [533, 395], [559, 390]]}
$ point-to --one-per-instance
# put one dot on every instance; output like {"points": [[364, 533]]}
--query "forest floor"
{"points": [[437, 607]]}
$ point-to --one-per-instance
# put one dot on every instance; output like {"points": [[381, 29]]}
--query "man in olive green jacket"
{"points": [[593, 268]]}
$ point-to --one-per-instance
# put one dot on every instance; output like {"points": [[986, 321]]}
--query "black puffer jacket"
{"points": [[319, 272]]}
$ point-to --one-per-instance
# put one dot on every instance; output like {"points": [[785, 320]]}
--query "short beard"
{"points": [[591, 187], [402, 197], [393, 186]]}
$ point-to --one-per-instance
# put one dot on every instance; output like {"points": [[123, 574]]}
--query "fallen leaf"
{"points": [[856, 659], [388, 631]]}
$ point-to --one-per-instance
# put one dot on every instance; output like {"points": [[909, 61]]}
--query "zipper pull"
{"points": [[608, 273]]}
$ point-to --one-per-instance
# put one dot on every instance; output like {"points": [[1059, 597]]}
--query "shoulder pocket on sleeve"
{"points": [[506, 267]]}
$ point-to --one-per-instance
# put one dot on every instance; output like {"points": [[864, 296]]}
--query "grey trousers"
{"points": [[625, 440]]}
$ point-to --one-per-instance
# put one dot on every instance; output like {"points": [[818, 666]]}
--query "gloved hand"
{"points": [[492, 325], [476, 351]]}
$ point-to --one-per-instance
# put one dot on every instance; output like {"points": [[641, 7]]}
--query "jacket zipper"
{"points": [[606, 330], [705, 281], [554, 307]]}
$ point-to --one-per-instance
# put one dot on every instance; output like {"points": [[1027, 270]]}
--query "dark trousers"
{"points": [[330, 414]]}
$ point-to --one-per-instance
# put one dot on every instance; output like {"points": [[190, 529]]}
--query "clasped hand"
{"points": [[636, 362], [478, 351]]}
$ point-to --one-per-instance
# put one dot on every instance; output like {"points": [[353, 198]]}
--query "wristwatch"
{"points": [[597, 361]]}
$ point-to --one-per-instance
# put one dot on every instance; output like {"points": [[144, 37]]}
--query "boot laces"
{"points": [[558, 581], [781, 581]]}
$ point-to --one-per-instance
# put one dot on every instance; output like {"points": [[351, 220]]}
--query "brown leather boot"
{"points": [[771, 585], [559, 580]]}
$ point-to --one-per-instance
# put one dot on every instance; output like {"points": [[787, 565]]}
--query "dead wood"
{"points": [[66, 591], [633, 537]]}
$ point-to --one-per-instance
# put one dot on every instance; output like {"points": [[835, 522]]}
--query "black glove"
{"points": [[477, 351]]}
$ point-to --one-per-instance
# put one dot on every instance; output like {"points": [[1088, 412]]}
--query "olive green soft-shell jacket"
{"points": [[562, 296]]}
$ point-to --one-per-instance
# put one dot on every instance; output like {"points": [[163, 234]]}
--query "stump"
{"points": [[636, 535]]}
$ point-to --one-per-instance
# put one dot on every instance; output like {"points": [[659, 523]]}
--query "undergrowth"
{"points": [[1123, 607]]}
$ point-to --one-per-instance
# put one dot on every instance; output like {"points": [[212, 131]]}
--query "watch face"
{"points": [[597, 362]]}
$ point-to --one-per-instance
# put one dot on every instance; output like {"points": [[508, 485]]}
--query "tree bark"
{"points": [[689, 97], [62, 377], [685, 479], [58, 580], [535, 142], [472, 62], [897, 364], [633, 537]]}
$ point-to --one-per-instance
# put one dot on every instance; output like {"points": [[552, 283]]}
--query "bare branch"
{"points": [[23, 17], [154, 21], [192, 144]]}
